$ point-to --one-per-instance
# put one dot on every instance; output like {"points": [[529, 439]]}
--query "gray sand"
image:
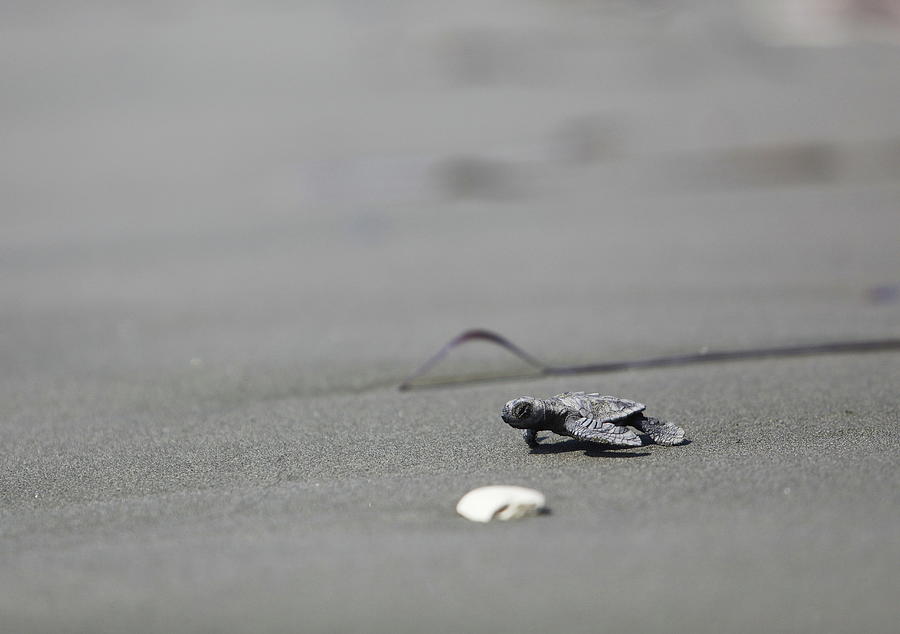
{"points": [[229, 235]]}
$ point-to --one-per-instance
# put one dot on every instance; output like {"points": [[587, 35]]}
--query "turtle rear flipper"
{"points": [[605, 433], [660, 432]]}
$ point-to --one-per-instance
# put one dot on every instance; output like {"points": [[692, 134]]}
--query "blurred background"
{"points": [[230, 229], [212, 200]]}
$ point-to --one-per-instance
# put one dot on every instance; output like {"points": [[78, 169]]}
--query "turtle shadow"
{"points": [[590, 449]]}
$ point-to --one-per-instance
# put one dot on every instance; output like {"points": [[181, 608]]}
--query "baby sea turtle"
{"points": [[591, 417]]}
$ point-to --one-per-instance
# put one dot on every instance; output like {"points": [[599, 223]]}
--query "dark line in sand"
{"points": [[542, 369]]}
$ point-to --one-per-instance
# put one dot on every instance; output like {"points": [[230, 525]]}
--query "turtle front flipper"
{"points": [[530, 436], [660, 432], [604, 433]]}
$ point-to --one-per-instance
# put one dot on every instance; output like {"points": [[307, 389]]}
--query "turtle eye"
{"points": [[523, 410]]}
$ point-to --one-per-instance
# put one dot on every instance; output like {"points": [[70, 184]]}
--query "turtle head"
{"points": [[523, 413]]}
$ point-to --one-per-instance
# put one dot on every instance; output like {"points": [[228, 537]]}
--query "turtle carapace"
{"points": [[600, 419]]}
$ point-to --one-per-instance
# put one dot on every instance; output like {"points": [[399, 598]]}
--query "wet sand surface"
{"points": [[228, 236]]}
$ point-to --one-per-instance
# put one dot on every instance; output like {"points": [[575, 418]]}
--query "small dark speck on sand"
{"points": [[884, 294]]}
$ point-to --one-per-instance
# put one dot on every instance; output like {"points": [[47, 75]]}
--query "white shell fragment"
{"points": [[500, 502]]}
